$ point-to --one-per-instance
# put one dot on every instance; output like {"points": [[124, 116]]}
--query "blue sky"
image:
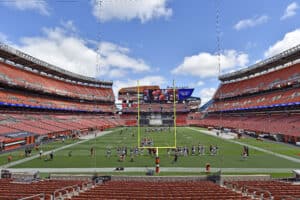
{"points": [[154, 41]]}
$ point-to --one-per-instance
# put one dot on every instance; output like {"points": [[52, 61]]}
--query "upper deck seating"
{"points": [[277, 98], [18, 77], [156, 107], [275, 79], [26, 100]]}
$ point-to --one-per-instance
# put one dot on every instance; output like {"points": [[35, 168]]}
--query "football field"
{"points": [[105, 151]]}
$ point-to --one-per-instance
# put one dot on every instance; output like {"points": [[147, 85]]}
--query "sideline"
{"points": [[144, 169], [251, 146], [99, 134]]}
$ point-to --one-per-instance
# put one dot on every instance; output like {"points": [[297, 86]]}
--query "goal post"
{"points": [[171, 144]]}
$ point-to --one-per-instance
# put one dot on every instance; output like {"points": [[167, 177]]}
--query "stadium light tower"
{"points": [[218, 46], [218, 35], [98, 58]]}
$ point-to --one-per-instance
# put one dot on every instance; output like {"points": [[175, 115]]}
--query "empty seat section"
{"points": [[277, 190], [12, 75], [158, 190], [279, 78]]}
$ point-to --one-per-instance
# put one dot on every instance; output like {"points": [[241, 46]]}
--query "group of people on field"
{"points": [[194, 150], [157, 129]]}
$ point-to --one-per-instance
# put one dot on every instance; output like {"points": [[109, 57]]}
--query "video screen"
{"points": [[166, 95]]}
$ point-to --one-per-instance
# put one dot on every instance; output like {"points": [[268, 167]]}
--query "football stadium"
{"points": [[68, 135]]}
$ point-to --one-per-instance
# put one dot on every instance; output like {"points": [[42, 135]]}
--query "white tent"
{"points": [[297, 173]]}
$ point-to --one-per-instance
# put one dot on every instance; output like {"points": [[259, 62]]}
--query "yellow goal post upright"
{"points": [[157, 161]]}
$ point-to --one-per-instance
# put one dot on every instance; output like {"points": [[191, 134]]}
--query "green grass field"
{"points": [[19, 154], [229, 154], [288, 150], [161, 137]]}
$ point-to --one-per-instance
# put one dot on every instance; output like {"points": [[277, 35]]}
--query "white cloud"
{"points": [[251, 22], [200, 83], [114, 55], [69, 26], [3, 38], [206, 94], [195, 84], [290, 11], [61, 47], [147, 80], [58, 48], [117, 73], [38, 5], [143, 10], [289, 40], [206, 65]]}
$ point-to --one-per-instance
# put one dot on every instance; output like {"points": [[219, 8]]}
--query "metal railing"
{"points": [[41, 196]]}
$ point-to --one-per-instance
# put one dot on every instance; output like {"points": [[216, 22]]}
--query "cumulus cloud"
{"points": [[57, 47], [3, 38], [114, 55], [62, 47], [38, 5], [289, 40], [200, 83], [251, 22], [206, 65], [206, 94], [290, 11], [196, 84], [126, 10]]}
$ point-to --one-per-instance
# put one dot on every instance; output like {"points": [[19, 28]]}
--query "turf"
{"points": [[284, 149], [19, 154], [229, 154], [161, 138]]}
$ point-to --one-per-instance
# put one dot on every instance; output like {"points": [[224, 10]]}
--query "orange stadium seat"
{"points": [[279, 78], [159, 190]]}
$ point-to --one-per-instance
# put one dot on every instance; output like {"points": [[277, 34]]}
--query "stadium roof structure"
{"points": [[279, 59], [142, 88], [11, 54]]}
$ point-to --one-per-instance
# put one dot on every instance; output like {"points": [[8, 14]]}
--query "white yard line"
{"points": [[162, 169], [253, 147], [99, 134]]}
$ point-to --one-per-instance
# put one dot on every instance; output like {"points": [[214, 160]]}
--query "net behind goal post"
{"points": [[162, 135]]}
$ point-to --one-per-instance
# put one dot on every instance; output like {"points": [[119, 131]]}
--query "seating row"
{"points": [[155, 107], [270, 189], [274, 124], [15, 76], [276, 79], [159, 190], [54, 124], [9, 98], [11, 190], [276, 98]]}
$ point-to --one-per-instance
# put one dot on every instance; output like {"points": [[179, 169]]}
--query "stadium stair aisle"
{"points": [[270, 189], [16, 189]]}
